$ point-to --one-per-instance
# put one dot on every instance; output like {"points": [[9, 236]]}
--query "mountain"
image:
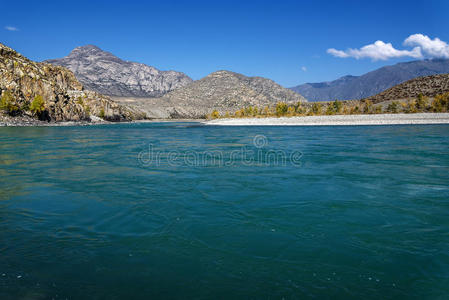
{"points": [[224, 91], [107, 74], [427, 86], [372, 83], [63, 96]]}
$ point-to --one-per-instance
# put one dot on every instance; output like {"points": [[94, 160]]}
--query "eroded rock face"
{"points": [[63, 95], [429, 86], [107, 74], [223, 91]]}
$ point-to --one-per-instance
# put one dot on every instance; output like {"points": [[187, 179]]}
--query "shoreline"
{"points": [[332, 120], [338, 120], [6, 121]]}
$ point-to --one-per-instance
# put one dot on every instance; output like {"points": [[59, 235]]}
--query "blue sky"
{"points": [[286, 41]]}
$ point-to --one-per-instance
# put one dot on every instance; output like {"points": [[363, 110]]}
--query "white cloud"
{"points": [[304, 68], [424, 47], [11, 28], [337, 53], [432, 48], [376, 51]]}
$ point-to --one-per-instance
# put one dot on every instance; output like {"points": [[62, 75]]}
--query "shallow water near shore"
{"points": [[105, 212]]}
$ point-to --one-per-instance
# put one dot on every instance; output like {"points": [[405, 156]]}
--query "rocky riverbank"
{"points": [[380, 119], [19, 121]]}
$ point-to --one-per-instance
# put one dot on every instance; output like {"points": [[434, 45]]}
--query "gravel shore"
{"points": [[381, 119]]}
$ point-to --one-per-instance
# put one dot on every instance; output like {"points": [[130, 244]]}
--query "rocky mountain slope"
{"points": [[372, 83], [107, 74], [223, 91], [63, 98], [429, 86]]}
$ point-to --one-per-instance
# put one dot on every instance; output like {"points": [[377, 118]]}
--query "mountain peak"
{"points": [[103, 72], [91, 51], [88, 47], [222, 73], [225, 91]]}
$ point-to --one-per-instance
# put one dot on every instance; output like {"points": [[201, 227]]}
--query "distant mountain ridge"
{"points": [[371, 83], [107, 74]]}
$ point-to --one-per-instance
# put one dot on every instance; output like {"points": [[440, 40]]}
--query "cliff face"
{"points": [[429, 86], [107, 74], [63, 95]]}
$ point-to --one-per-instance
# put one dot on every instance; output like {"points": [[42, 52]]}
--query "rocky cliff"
{"points": [[63, 97], [223, 91], [429, 86], [372, 83], [107, 74]]}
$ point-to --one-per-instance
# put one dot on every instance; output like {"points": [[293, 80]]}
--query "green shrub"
{"points": [[316, 108], [393, 107], [299, 108], [266, 111], [411, 107], [355, 110], [422, 102], [441, 103], [8, 104], [215, 114], [80, 101], [102, 114], [337, 106], [256, 111], [330, 109], [377, 109], [281, 109], [367, 108], [37, 105], [291, 111]]}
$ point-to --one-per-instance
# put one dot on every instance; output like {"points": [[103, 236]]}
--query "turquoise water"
{"points": [[362, 213]]}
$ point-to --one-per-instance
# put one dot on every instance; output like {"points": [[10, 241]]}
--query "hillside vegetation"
{"points": [[422, 94], [439, 103]]}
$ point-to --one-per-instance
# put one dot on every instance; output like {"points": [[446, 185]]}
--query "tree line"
{"points": [[439, 103]]}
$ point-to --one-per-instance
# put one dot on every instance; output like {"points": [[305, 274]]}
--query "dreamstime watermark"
{"points": [[257, 154]]}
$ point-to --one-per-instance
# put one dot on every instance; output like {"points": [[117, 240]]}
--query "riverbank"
{"points": [[26, 121], [334, 120], [373, 119]]}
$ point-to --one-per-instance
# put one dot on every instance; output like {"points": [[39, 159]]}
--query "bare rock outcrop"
{"points": [[107, 74], [64, 96]]}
